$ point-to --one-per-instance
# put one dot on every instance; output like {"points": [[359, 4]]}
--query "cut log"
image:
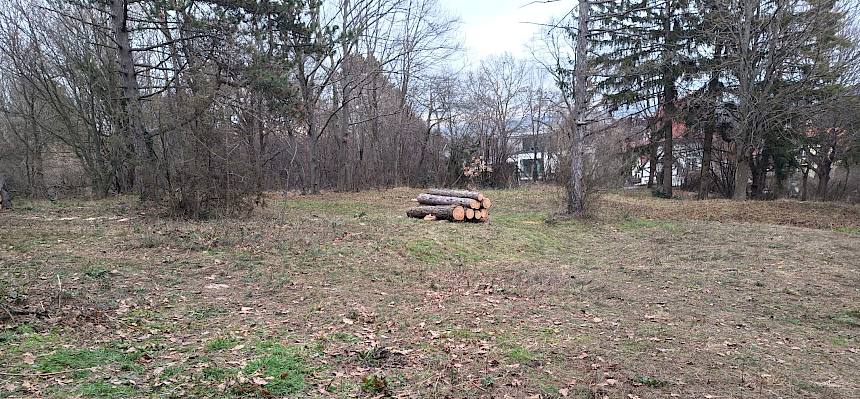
{"points": [[447, 212], [430, 199], [456, 193], [486, 203], [470, 214], [481, 216]]}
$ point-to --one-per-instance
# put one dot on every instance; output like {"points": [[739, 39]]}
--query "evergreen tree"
{"points": [[647, 48]]}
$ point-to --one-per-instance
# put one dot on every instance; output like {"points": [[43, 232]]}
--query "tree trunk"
{"points": [[130, 104], [758, 168], [667, 159], [779, 191], [803, 184], [258, 148], [742, 171], [708, 143], [575, 187], [311, 178], [429, 199], [668, 100], [39, 173], [652, 158], [823, 173], [705, 175], [313, 164], [5, 196], [447, 212]]}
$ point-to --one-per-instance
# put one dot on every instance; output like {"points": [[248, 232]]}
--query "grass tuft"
{"points": [[285, 366], [73, 359], [520, 354], [652, 382], [100, 389], [218, 344], [850, 317]]}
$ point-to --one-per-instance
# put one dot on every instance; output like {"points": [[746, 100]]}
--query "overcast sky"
{"points": [[497, 26]]}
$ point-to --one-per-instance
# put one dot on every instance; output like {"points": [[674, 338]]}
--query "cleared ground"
{"points": [[340, 296]]}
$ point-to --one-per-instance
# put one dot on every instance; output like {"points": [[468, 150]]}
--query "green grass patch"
{"points": [[327, 207], [343, 337], [7, 336], [519, 219], [96, 272], [850, 317], [218, 373], [286, 365], [425, 250], [652, 382], [74, 359], [219, 344], [520, 354], [171, 372], [205, 312], [632, 224], [432, 252], [635, 346], [848, 229]]}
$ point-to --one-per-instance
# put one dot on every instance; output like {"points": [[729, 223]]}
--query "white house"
{"points": [[530, 157]]}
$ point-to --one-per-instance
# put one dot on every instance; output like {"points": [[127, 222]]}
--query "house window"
{"points": [[531, 167], [532, 144]]}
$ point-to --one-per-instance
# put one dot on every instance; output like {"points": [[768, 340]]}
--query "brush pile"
{"points": [[452, 205]]}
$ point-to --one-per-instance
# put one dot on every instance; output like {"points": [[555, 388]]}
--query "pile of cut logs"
{"points": [[452, 205]]}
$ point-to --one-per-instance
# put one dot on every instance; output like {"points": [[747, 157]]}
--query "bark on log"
{"points": [[448, 212], [430, 199], [456, 193]]}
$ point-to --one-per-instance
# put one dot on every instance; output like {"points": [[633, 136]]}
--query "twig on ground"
{"points": [[59, 293], [46, 374]]}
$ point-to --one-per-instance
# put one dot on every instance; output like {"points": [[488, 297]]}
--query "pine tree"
{"points": [[647, 48]]}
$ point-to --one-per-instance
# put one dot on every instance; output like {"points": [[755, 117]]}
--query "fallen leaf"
{"points": [[28, 358]]}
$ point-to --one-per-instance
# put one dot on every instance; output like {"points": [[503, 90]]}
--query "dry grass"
{"points": [[818, 215], [334, 296]]}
